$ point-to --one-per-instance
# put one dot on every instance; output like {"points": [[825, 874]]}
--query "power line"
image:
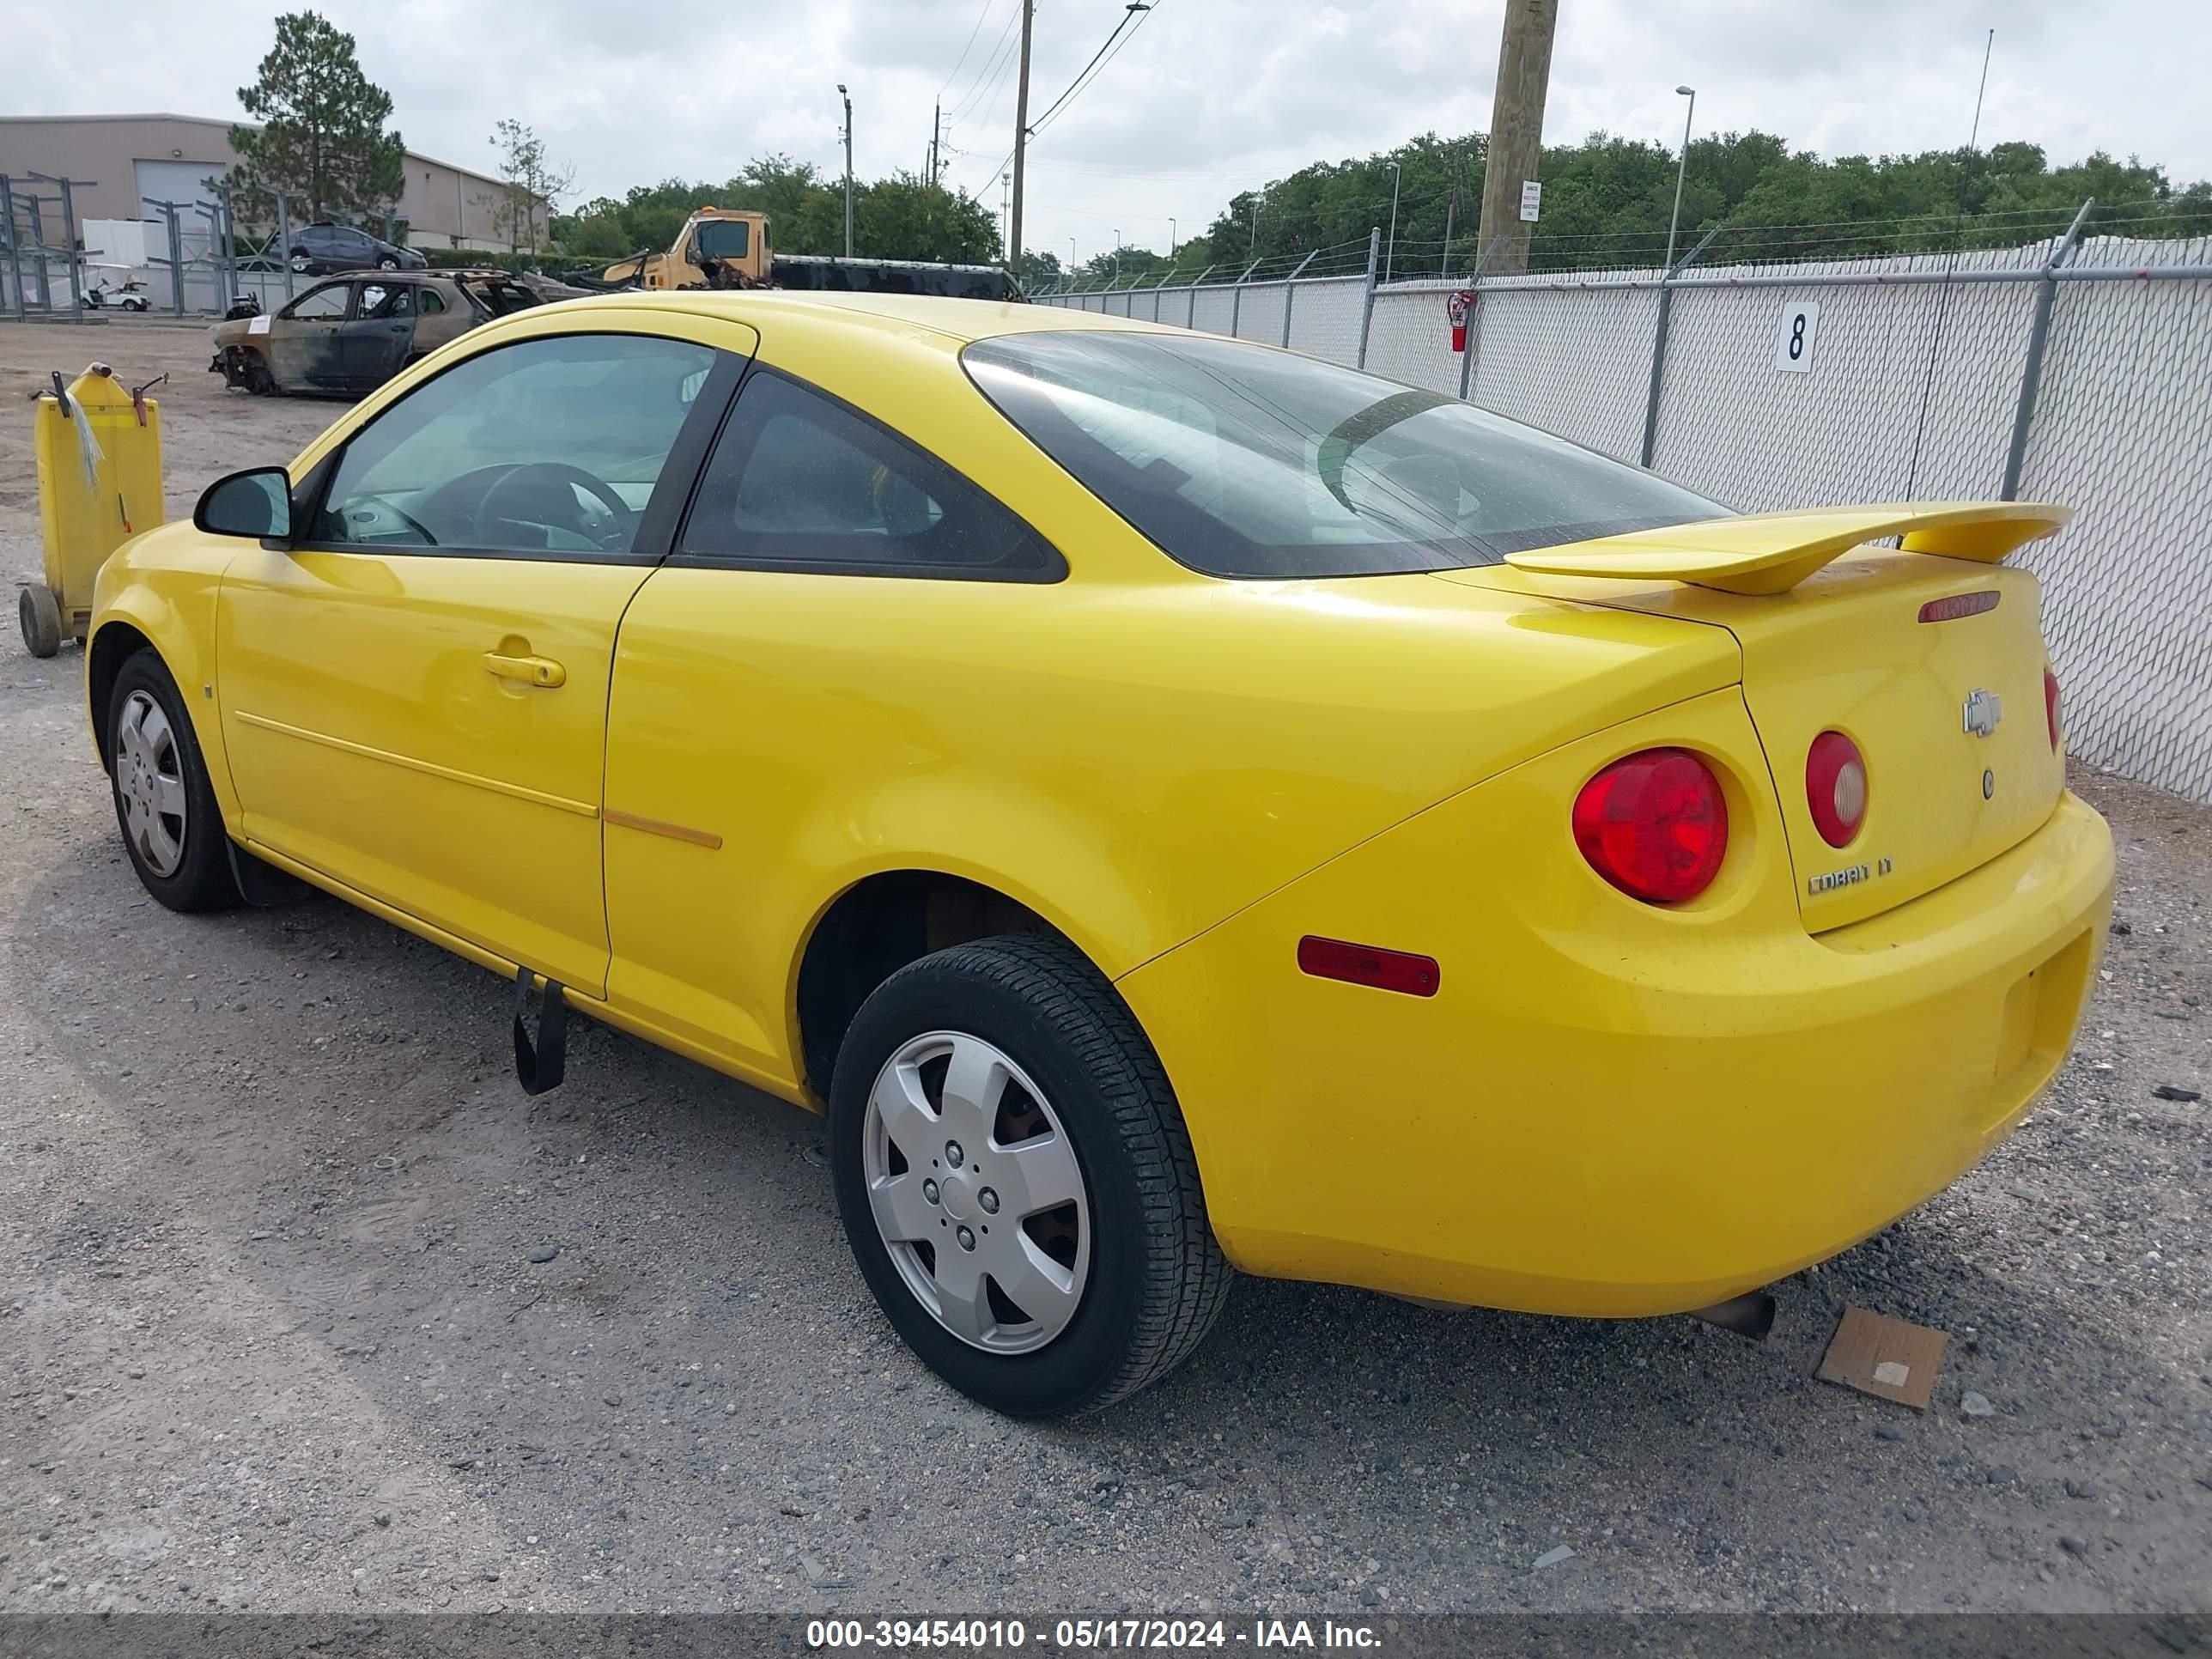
{"points": [[997, 60], [972, 32], [1132, 20], [1091, 69]]}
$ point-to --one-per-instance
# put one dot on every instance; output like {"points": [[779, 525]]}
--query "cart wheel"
{"points": [[40, 614]]}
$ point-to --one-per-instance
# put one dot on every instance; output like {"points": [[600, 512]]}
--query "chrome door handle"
{"points": [[529, 670]]}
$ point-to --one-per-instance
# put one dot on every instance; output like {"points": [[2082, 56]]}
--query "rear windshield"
{"points": [[1242, 461]]}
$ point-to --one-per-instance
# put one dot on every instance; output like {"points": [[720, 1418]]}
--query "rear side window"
{"points": [[799, 480], [1241, 461]]}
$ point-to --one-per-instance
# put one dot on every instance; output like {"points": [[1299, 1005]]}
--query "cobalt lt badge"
{"points": [[1983, 711]]}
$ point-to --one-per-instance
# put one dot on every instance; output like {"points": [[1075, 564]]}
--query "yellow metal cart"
{"points": [[98, 445]]}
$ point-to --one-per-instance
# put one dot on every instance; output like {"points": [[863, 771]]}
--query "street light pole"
{"points": [[1682, 166], [1117, 256], [849, 168], [1396, 169], [1172, 239]]}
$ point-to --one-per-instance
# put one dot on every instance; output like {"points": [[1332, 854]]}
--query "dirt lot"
{"points": [[270, 1199]]}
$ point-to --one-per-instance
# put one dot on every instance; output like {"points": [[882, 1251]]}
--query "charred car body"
{"points": [[354, 332]]}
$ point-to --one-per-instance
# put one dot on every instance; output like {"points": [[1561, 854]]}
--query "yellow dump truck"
{"points": [[728, 247]]}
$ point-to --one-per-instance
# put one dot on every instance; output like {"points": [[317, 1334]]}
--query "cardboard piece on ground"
{"points": [[1884, 1357]]}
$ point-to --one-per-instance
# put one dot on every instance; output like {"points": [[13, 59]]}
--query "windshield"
{"points": [[1241, 461], [722, 239]]}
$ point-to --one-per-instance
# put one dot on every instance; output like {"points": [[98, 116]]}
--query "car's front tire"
{"points": [[1016, 1182], [164, 804]]}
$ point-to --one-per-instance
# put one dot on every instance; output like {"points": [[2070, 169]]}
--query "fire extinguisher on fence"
{"points": [[1461, 307]]}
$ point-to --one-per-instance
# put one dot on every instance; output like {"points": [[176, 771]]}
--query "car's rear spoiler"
{"points": [[1772, 552]]}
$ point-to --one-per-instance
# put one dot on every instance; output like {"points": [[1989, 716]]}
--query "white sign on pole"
{"points": [[1532, 198], [1793, 352]]}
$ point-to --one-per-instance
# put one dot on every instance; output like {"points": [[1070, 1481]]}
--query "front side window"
{"points": [[327, 304], [429, 301], [721, 239], [548, 445], [1240, 461], [798, 479]]}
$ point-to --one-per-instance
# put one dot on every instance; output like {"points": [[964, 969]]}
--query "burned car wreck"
{"points": [[351, 333]]}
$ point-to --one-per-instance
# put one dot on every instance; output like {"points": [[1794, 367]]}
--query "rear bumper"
{"points": [[1607, 1110]]}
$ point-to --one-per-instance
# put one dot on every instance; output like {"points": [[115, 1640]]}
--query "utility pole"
{"points": [[1516, 131], [936, 137], [847, 97], [1021, 142], [1451, 208]]}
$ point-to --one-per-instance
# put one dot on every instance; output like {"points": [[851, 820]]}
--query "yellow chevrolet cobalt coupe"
{"points": [[1175, 804]]}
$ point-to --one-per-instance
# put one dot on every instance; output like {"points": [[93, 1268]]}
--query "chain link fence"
{"points": [[2066, 369]]}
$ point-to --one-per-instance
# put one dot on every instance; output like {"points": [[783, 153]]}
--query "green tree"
{"points": [[322, 138], [1609, 201], [906, 217], [530, 182], [805, 210]]}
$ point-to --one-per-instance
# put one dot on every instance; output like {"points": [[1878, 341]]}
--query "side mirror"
{"points": [[256, 502]]}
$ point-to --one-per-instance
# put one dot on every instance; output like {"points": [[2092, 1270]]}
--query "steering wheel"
{"points": [[539, 492]]}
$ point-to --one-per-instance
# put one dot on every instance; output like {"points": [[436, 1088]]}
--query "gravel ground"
{"points": [[282, 1334]]}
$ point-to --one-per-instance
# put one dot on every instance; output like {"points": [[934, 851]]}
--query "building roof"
{"points": [[217, 121]]}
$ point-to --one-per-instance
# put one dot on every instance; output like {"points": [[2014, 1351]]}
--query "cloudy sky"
{"points": [[1207, 97]]}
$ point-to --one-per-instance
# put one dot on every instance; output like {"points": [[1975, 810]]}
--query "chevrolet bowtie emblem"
{"points": [[1983, 711]]}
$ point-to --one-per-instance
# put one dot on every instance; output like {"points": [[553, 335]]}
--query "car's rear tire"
{"points": [[164, 804], [1041, 1240]]}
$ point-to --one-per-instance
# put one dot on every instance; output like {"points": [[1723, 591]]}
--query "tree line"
{"points": [[323, 137], [1607, 201], [901, 217]]}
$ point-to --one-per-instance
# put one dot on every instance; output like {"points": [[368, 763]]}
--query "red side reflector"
{"points": [[1959, 605], [1363, 964]]}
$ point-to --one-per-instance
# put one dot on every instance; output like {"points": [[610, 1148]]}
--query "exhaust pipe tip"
{"points": [[1751, 1315]]}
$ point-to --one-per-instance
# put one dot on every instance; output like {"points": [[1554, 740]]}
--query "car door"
{"points": [[379, 334], [414, 695], [304, 342], [764, 693]]}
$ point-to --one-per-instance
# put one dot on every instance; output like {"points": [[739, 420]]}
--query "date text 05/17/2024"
{"points": [[1084, 1635]]}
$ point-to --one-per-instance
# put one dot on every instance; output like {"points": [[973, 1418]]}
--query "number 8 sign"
{"points": [[1793, 352]]}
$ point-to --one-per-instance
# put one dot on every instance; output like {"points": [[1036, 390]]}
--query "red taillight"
{"points": [[2051, 707], [1836, 787], [1655, 825], [1365, 964]]}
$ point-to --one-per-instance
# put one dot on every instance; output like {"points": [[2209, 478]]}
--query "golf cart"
{"points": [[129, 295]]}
